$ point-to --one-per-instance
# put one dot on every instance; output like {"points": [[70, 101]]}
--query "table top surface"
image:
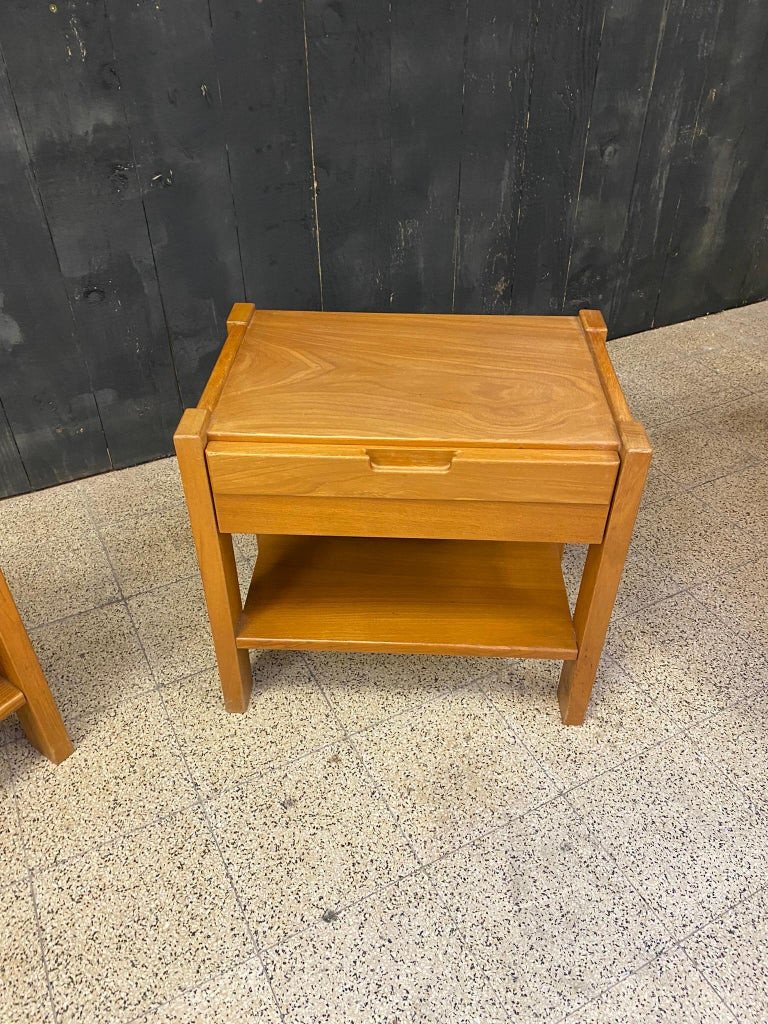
{"points": [[513, 381]]}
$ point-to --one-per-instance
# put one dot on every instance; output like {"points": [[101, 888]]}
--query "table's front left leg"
{"points": [[216, 557]]}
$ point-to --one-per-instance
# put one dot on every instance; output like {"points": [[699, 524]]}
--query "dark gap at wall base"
{"points": [[161, 161]]}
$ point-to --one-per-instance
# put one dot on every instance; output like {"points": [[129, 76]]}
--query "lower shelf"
{"points": [[408, 596]]}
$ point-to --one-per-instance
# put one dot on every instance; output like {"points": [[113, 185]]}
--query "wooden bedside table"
{"points": [[412, 480]]}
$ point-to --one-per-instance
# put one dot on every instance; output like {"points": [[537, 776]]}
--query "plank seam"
{"points": [[312, 155]]}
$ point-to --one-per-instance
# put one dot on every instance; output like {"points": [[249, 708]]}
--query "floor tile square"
{"points": [[242, 996], [733, 954], [24, 995], [52, 557], [687, 661], [151, 550], [688, 839], [621, 720], [740, 498], [172, 624], [740, 598], [288, 716], [93, 662], [12, 856], [669, 989], [126, 770], [394, 957], [675, 391], [711, 444], [306, 840], [546, 913], [365, 689], [452, 771], [129, 493], [138, 922], [736, 740], [686, 541]]}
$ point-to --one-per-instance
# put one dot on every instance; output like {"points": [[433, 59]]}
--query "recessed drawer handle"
{"points": [[398, 460]]}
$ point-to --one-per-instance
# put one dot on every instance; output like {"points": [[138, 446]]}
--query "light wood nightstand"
{"points": [[412, 480]]}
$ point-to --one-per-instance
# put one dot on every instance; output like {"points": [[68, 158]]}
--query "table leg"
{"points": [[602, 574], [216, 557], [38, 716]]}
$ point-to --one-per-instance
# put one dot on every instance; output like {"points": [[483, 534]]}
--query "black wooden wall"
{"points": [[160, 159]]}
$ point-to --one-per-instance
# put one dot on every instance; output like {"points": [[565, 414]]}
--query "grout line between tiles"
{"points": [[708, 981]]}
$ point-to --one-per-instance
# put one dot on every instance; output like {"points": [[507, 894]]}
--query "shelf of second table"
{"points": [[408, 596]]}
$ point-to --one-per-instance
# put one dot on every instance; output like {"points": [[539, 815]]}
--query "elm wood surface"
{"points": [[400, 596], [516, 382], [323, 432], [23, 687]]}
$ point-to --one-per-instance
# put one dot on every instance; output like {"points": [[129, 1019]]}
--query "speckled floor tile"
{"points": [[690, 841], [12, 856], [129, 493], [740, 497], [172, 623], [52, 557], [669, 989], [394, 957], [287, 717], [547, 914], [733, 954], [242, 996], [736, 740], [452, 771], [138, 922], [24, 995], [151, 550], [620, 721], [740, 597], [303, 841], [722, 440], [685, 659], [126, 770], [365, 689], [675, 391], [686, 541], [93, 662]]}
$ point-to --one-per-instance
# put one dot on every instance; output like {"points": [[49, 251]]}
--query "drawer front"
{"points": [[479, 494], [469, 474]]}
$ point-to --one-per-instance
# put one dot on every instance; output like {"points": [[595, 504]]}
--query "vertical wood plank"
{"points": [[61, 66], [660, 177], [427, 72], [45, 388], [718, 217], [261, 68], [494, 128], [625, 76], [13, 476], [169, 86], [566, 49], [386, 84], [348, 52]]}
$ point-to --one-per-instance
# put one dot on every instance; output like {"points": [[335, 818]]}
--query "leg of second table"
{"points": [[602, 574], [39, 717], [216, 557]]}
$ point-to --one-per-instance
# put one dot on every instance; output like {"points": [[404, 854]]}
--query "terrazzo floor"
{"points": [[404, 840]]}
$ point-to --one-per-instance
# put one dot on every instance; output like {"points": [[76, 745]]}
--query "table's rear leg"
{"points": [[602, 574], [38, 716], [216, 556]]}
